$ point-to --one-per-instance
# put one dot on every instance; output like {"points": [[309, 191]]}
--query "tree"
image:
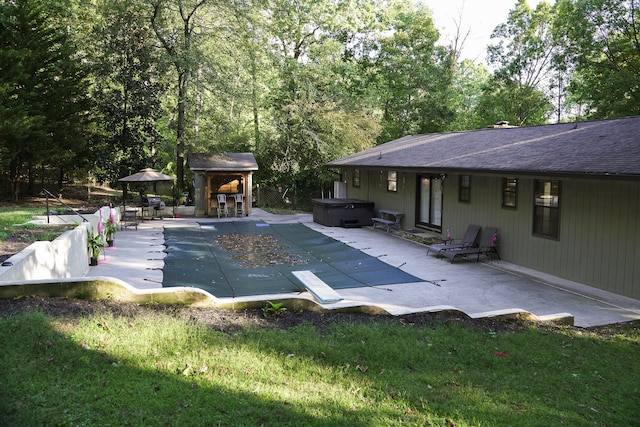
{"points": [[470, 81], [127, 91], [179, 25], [505, 100], [602, 46], [411, 75], [524, 58], [315, 115], [43, 106]]}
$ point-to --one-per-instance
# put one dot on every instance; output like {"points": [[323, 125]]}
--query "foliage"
{"points": [[127, 90], [274, 309], [410, 73], [469, 83], [524, 56], [507, 101], [95, 243], [42, 91], [600, 45], [179, 27], [315, 119], [158, 369], [319, 130], [110, 225], [104, 88]]}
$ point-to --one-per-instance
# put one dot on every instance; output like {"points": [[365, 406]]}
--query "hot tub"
{"points": [[342, 212]]}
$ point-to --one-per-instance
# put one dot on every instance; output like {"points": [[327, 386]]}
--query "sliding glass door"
{"points": [[429, 202]]}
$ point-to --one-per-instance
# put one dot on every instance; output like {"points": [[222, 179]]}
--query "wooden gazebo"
{"points": [[221, 173]]}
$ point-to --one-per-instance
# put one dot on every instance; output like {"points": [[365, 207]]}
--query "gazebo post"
{"points": [[124, 197]]}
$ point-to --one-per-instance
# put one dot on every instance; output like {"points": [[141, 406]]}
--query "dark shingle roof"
{"points": [[604, 147], [225, 162]]}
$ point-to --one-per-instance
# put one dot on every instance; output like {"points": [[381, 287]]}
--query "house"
{"points": [[564, 197], [221, 173]]}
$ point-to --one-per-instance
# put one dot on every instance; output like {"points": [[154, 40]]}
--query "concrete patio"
{"points": [[485, 289]]}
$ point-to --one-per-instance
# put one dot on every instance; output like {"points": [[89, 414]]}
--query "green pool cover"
{"points": [[232, 259]]}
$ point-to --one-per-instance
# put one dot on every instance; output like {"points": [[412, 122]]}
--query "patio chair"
{"points": [[468, 240], [486, 246], [238, 208], [222, 205]]}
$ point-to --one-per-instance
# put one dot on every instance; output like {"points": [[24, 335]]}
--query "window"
{"points": [[356, 178], [509, 193], [464, 189], [392, 181], [546, 208]]}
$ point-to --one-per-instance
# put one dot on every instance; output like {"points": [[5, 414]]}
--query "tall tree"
{"points": [[315, 115], [127, 90], [505, 100], [43, 107], [470, 80], [524, 57], [411, 74], [602, 43], [179, 25]]}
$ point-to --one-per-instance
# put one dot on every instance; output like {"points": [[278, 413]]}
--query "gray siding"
{"points": [[373, 188], [598, 235]]}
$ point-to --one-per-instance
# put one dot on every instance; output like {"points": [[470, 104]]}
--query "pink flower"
{"points": [[100, 225]]}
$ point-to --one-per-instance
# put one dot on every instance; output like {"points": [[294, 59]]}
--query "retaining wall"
{"points": [[65, 257]]}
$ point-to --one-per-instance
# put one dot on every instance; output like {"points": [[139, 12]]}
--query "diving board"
{"points": [[320, 290]]}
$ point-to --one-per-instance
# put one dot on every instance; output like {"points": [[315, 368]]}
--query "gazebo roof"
{"points": [[147, 175], [222, 162]]}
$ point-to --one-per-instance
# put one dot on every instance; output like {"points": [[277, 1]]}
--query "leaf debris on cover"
{"points": [[258, 250]]}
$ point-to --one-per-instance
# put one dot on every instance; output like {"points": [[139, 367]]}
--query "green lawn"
{"points": [[10, 216], [13, 226], [159, 369]]}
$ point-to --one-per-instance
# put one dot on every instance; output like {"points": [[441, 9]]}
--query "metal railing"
{"points": [[49, 195]]}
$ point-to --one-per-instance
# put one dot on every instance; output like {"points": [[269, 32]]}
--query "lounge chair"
{"points": [[468, 240], [486, 246]]}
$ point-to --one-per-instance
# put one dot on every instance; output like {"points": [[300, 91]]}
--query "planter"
{"points": [[93, 261], [110, 243]]}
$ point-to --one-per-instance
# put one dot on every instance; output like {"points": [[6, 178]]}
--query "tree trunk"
{"points": [[14, 177], [182, 99], [31, 187], [60, 178], [254, 101]]}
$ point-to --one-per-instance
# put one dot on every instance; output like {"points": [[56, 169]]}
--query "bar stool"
{"points": [[222, 205], [239, 204]]}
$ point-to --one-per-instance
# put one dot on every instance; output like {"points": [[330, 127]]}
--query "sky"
{"points": [[479, 17]]}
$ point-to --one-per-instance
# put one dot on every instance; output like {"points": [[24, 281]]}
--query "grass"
{"points": [[17, 215], [161, 370], [11, 218]]}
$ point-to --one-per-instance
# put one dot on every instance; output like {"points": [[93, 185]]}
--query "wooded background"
{"points": [[98, 89]]}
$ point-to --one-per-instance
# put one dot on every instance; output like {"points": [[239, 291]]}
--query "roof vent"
{"points": [[502, 124]]}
